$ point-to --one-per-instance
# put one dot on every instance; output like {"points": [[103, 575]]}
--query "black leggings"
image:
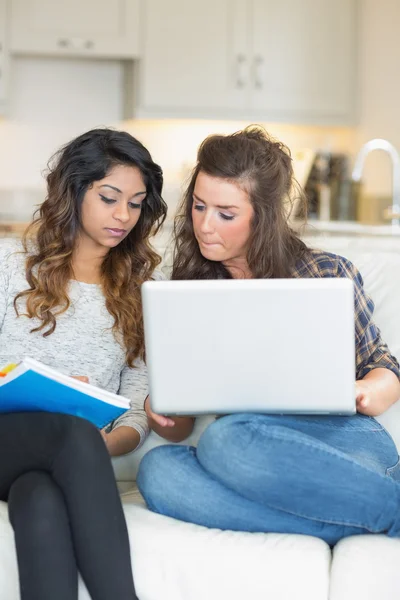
{"points": [[64, 506]]}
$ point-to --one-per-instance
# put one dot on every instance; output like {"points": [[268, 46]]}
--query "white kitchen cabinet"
{"points": [[191, 61], [292, 60], [4, 56], [99, 28], [303, 57]]}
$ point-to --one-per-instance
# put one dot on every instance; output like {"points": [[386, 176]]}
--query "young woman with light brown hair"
{"points": [[70, 297], [326, 476]]}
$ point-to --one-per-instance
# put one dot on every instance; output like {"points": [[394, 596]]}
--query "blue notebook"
{"points": [[32, 387]]}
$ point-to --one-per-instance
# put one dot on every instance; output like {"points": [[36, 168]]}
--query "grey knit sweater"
{"points": [[82, 343]]}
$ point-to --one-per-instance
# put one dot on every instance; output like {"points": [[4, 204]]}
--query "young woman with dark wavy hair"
{"points": [[326, 476], [70, 297]]}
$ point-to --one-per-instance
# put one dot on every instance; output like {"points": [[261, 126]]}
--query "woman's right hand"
{"points": [[81, 378], [161, 420], [174, 429]]}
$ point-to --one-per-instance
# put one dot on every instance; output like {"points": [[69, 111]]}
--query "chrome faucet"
{"points": [[379, 144]]}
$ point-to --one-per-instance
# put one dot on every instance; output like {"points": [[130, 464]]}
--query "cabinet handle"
{"points": [[259, 72], [240, 75], [63, 43], [75, 43]]}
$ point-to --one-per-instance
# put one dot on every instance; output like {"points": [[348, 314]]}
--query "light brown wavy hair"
{"points": [[263, 168], [50, 239]]}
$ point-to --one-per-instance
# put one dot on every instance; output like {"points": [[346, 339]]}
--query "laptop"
{"points": [[263, 346]]}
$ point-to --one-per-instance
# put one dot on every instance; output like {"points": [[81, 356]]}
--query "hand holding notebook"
{"points": [[33, 386]]}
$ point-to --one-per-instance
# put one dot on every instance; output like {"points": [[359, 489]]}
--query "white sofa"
{"points": [[179, 561]]}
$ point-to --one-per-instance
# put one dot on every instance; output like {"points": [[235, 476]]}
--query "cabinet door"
{"points": [[195, 61], [304, 58], [4, 58], [106, 28]]}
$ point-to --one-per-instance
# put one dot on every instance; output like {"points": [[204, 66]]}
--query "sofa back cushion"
{"points": [[381, 273]]}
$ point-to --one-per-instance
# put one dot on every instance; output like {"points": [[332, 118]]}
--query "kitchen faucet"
{"points": [[380, 144]]}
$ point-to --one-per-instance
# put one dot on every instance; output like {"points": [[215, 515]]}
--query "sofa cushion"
{"points": [[381, 274], [178, 561], [366, 567], [9, 587]]}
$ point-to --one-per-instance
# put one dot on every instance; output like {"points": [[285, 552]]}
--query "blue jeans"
{"points": [[328, 477]]}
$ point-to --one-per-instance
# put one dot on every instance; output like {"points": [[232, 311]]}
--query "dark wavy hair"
{"points": [[50, 239], [262, 167]]}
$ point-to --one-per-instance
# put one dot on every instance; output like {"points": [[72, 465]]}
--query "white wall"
{"points": [[379, 86], [50, 102]]}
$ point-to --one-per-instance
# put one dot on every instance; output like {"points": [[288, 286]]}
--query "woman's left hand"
{"points": [[377, 391], [120, 440], [104, 435]]}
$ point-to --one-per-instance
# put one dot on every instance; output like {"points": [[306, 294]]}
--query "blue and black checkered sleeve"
{"points": [[371, 350]]}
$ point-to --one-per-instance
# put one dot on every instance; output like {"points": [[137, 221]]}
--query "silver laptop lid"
{"points": [[282, 345]]}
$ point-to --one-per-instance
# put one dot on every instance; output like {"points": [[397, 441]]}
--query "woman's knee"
{"points": [[229, 443], [224, 438], [78, 429], [161, 472], [82, 441], [35, 503]]}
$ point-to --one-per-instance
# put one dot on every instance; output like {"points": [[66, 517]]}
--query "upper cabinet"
{"points": [[258, 60], [4, 56], [101, 28], [191, 62], [303, 57], [290, 60]]}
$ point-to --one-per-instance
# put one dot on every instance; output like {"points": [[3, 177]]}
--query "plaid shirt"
{"points": [[371, 350]]}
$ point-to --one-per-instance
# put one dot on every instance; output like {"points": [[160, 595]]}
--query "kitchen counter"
{"points": [[345, 241], [344, 237], [330, 235], [12, 228], [351, 228]]}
